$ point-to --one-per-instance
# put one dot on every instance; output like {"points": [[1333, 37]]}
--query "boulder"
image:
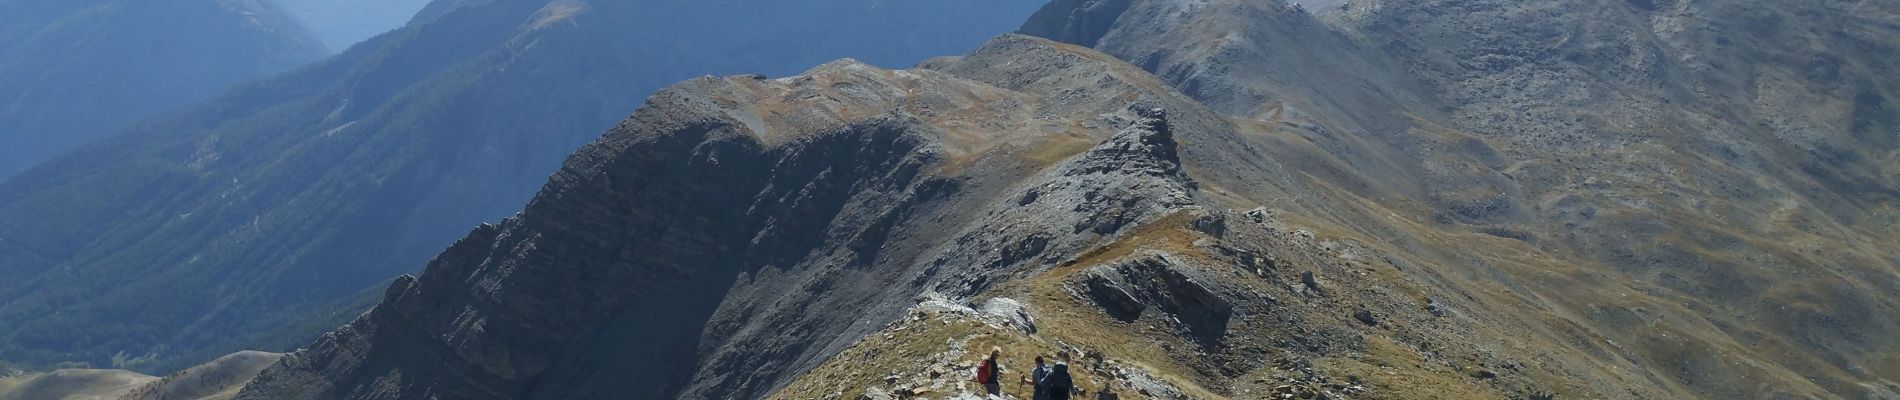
{"points": [[1365, 316], [1009, 312], [934, 303], [1259, 215], [875, 394], [1213, 224]]}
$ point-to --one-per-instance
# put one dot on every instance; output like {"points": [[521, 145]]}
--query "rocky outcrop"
{"points": [[1128, 288]]}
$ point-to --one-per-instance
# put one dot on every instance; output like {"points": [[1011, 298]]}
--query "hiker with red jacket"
{"points": [[990, 373]]}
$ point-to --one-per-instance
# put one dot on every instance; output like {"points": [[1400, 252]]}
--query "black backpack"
{"points": [[1058, 385]]}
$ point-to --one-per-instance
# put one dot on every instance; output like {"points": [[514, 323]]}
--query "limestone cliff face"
{"points": [[736, 231]]}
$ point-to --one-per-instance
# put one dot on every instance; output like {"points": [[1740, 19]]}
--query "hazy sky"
{"points": [[341, 23]]}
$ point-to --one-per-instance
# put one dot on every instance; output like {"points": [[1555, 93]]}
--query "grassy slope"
{"points": [[72, 384]]}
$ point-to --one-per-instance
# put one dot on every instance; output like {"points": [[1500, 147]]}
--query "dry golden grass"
{"points": [[72, 384], [913, 351], [1396, 371]]}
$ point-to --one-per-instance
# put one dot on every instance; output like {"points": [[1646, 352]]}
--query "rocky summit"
{"points": [[1454, 199]]}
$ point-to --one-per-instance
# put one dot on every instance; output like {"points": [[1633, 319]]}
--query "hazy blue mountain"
{"points": [[342, 23], [72, 71], [226, 225]]}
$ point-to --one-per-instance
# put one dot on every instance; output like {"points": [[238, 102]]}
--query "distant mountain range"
{"points": [[74, 71], [255, 219]]}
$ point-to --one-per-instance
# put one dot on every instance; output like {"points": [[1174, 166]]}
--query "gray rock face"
{"points": [[1102, 285], [709, 246]]}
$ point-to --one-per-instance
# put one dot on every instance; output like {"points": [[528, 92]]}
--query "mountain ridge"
{"points": [[1506, 200], [292, 196], [777, 267], [1195, 198]]}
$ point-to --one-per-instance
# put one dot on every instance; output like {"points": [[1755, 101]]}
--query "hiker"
{"points": [[1058, 385], [1035, 380], [990, 373]]}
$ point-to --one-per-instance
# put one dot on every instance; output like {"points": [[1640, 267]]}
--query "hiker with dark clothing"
{"points": [[1058, 385], [1035, 380], [990, 373]]}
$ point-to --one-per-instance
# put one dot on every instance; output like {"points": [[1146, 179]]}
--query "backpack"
{"points": [[983, 372], [1059, 384]]}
